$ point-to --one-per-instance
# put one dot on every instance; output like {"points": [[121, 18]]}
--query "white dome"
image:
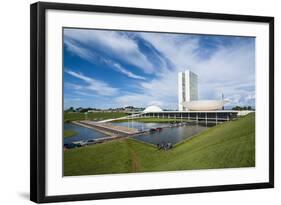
{"points": [[153, 108], [205, 105]]}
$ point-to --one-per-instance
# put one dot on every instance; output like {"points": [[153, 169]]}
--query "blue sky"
{"points": [[109, 69]]}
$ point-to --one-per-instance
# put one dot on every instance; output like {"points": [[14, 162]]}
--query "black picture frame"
{"points": [[38, 101]]}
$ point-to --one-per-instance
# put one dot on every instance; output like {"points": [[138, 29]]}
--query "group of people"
{"points": [[165, 146]]}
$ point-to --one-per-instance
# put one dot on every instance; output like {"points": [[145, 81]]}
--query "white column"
{"points": [[216, 118]]}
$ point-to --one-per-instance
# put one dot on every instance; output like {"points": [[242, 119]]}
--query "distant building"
{"points": [[187, 88]]}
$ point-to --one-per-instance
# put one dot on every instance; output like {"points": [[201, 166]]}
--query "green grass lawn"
{"points": [[154, 120], [228, 145], [72, 116], [69, 133]]}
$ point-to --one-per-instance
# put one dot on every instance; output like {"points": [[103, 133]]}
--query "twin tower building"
{"points": [[188, 95], [187, 88]]}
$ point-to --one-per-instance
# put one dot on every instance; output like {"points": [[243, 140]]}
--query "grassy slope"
{"points": [[231, 144], [71, 116]]}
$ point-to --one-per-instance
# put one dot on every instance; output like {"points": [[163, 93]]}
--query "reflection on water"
{"points": [[168, 134], [140, 125], [82, 133]]}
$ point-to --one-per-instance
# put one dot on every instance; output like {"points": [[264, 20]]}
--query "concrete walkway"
{"points": [[120, 118], [108, 127]]}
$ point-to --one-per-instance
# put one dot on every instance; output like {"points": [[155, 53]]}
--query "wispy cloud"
{"points": [[97, 86], [90, 56], [143, 100], [227, 67], [223, 64], [80, 51], [117, 43], [119, 68]]}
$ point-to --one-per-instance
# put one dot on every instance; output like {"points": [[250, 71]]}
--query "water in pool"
{"points": [[171, 135], [82, 133]]}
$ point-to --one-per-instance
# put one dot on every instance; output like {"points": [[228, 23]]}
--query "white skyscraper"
{"points": [[187, 88]]}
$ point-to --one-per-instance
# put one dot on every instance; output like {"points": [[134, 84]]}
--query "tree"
{"points": [[71, 109], [242, 108]]}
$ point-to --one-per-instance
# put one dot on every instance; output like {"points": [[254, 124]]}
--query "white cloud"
{"points": [[89, 55], [97, 86], [179, 50], [228, 68], [111, 41], [73, 86], [143, 100], [121, 69], [73, 48]]}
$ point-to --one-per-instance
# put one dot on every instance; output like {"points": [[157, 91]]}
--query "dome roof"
{"points": [[153, 108]]}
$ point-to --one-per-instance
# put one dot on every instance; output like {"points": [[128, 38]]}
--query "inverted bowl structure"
{"points": [[153, 108], [205, 105]]}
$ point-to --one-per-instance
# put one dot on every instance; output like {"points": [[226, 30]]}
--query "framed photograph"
{"points": [[129, 102]]}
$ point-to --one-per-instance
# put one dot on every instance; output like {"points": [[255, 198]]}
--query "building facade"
{"points": [[187, 88]]}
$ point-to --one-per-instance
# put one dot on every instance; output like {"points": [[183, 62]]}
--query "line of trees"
{"points": [[81, 109], [242, 108]]}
